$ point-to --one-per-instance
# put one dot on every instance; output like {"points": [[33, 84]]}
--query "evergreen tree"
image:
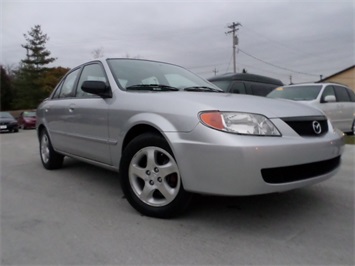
{"points": [[37, 54], [6, 90], [29, 82]]}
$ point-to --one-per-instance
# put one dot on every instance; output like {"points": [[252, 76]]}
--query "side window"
{"points": [[342, 94], [351, 94], [57, 91], [67, 89], [238, 87], [258, 89], [90, 72], [223, 84], [329, 90]]}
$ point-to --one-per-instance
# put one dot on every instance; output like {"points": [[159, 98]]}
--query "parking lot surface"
{"points": [[77, 216]]}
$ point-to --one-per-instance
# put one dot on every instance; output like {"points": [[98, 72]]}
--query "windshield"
{"points": [[296, 93], [29, 114], [129, 73], [5, 115]]}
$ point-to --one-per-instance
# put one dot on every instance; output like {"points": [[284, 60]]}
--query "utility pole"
{"points": [[234, 28], [215, 71]]}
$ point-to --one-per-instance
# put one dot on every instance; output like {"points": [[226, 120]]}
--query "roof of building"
{"points": [[337, 73]]}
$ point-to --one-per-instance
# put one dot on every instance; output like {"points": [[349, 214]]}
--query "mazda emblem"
{"points": [[316, 127]]}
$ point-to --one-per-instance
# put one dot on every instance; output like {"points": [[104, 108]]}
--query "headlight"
{"points": [[239, 123]]}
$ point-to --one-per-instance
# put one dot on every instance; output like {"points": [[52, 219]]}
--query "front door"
{"points": [[89, 120]]}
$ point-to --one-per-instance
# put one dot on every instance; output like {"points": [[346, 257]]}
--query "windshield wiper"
{"points": [[151, 87], [203, 88]]}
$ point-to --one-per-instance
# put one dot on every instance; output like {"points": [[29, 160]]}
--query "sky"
{"points": [[294, 41]]}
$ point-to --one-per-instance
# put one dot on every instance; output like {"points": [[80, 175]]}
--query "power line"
{"points": [[280, 67], [278, 43]]}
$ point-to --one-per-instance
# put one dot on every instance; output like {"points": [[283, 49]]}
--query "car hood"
{"points": [[202, 101]]}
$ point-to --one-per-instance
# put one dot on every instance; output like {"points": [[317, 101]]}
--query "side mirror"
{"points": [[330, 99], [97, 87]]}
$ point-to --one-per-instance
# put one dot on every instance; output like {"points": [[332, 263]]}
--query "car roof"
{"points": [[316, 84], [246, 77]]}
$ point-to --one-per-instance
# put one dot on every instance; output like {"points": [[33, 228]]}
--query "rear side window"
{"points": [[342, 94], [259, 89], [57, 91], [223, 84], [238, 87], [352, 95]]}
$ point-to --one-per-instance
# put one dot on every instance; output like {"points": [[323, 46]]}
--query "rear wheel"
{"points": [[150, 177], [49, 157]]}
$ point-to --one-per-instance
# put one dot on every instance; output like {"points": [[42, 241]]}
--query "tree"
{"points": [[29, 86], [52, 77], [37, 54], [6, 90]]}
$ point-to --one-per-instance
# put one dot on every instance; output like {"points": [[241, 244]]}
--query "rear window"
{"points": [[296, 93], [29, 114]]}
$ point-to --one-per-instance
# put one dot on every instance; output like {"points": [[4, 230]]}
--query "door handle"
{"points": [[71, 108]]}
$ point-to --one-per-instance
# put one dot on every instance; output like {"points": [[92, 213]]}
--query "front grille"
{"points": [[299, 172], [308, 126]]}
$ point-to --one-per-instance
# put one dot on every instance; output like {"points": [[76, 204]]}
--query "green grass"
{"points": [[350, 139]]}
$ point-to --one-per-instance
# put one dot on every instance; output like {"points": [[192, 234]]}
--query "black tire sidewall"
{"points": [[174, 208], [55, 160]]}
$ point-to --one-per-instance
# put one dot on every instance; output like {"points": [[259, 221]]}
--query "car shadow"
{"points": [[247, 211]]}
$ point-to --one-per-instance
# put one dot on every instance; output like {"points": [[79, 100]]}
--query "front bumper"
{"points": [[9, 127], [29, 124], [220, 163]]}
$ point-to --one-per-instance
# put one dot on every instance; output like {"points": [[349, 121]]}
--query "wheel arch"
{"points": [[40, 128], [137, 130]]}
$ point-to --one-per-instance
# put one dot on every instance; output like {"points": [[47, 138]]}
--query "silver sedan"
{"points": [[170, 133]]}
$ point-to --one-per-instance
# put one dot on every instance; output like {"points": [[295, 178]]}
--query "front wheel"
{"points": [[49, 157], [150, 178]]}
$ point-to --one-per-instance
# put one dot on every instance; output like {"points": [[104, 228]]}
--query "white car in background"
{"points": [[335, 100]]}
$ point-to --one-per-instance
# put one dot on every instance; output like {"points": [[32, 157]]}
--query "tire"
{"points": [[49, 157], [150, 178]]}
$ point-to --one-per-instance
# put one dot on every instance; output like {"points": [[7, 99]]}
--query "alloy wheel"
{"points": [[154, 176]]}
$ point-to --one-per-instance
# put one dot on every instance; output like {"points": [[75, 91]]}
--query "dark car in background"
{"points": [[245, 83], [27, 119], [8, 122]]}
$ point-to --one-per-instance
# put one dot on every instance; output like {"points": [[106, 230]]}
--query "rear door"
{"points": [[58, 115], [345, 108]]}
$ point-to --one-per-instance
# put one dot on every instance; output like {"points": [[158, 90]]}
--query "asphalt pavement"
{"points": [[77, 215]]}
